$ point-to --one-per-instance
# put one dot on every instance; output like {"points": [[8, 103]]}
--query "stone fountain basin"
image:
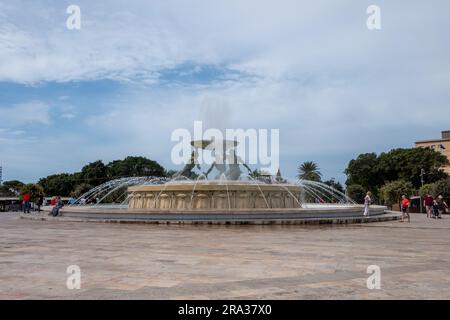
{"points": [[214, 195], [315, 214]]}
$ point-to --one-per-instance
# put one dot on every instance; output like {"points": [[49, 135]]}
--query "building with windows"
{"points": [[441, 145]]}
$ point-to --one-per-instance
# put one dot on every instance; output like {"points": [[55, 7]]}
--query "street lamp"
{"points": [[422, 173]]}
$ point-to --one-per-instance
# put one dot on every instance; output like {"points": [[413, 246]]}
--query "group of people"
{"points": [[434, 207], [26, 203], [57, 204]]}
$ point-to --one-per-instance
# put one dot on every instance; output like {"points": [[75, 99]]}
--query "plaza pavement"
{"points": [[141, 261]]}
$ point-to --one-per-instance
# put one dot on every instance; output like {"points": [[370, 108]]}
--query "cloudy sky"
{"points": [[137, 70]]}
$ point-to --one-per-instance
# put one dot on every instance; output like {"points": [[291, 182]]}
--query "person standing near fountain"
{"points": [[367, 202]]}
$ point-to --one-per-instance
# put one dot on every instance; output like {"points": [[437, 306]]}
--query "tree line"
{"points": [[90, 176], [387, 175]]}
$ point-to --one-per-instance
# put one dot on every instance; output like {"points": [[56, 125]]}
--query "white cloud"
{"points": [[334, 88], [34, 112]]}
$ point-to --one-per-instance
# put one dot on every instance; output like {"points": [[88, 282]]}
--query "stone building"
{"points": [[442, 145]]}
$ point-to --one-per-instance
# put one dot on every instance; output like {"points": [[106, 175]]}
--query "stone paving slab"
{"points": [[146, 261]]}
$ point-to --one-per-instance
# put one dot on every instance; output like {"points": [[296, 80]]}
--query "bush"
{"points": [[356, 192], [392, 192], [426, 189], [34, 190], [442, 188]]}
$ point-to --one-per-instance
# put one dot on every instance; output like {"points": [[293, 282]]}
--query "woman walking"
{"points": [[367, 202], [441, 206]]}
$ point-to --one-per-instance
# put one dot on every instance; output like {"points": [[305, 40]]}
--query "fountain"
{"points": [[231, 196]]}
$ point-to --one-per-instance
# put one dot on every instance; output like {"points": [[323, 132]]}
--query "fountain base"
{"points": [[214, 195]]}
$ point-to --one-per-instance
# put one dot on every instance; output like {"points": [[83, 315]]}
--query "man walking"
{"points": [[428, 203], [26, 203], [405, 208]]}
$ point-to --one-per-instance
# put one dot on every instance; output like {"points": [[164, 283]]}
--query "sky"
{"points": [[137, 70]]}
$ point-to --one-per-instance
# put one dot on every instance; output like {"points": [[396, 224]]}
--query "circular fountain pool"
{"points": [[159, 200]]}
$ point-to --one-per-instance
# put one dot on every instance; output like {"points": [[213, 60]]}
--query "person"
{"points": [[367, 202], [57, 207], [39, 203], [26, 203], [441, 206], [405, 208], [72, 200], [53, 201], [435, 209], [428, 204]]}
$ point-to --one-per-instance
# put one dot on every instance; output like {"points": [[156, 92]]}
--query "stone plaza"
{"points": [[148, 261]]}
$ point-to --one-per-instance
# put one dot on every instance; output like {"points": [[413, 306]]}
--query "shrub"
{"points": [[442, 188], [392, 192], [356, 192]]}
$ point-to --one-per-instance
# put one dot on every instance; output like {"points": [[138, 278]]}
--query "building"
{"points": [[442, 145]]}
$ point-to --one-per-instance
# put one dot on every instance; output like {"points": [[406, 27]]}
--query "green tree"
{"points": [[364, 171], [58, 184], [426, 189], [334, 184], [407, 164], [34, 190], [442, 188], [81, 189], [11, 188], [392, 192], [372, 171], [356, 192], [133, 167], [309, 171], [95, 173]]}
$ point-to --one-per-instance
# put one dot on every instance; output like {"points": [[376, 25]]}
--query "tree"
{"points": [[133, 167], [336, 185], [392, 192], [309, 171], [34, 190], [81, 189], [372, 171], [11, 188], [407, 164], [95, 173], [58, 184], [363, 171], [356, 192], [426, 189], [442, 188]]}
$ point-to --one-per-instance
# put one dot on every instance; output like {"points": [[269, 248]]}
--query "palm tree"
{"points": [[309, 171]]}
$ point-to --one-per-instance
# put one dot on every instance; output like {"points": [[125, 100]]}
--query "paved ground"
{"points": [[123, 261]]}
